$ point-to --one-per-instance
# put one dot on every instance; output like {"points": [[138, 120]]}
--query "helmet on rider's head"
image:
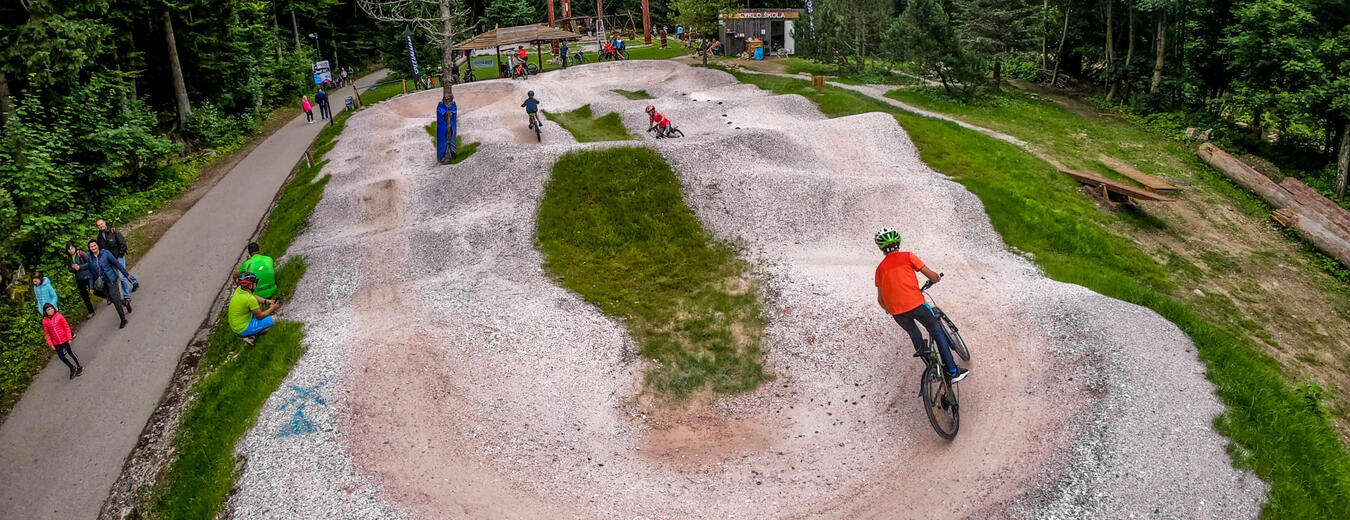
{"points": [[247, 280], [651, 108], [531, 93], [887, 238]]}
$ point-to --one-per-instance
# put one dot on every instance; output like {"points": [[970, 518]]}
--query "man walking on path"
{"points": [[264, 268], [79, 266], [324, 112], [105, 270], [112, 241]]}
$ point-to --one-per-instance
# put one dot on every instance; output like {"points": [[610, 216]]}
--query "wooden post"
{"points": [[539, 50], [646, 23], [358, 95], [404, 81], [551, 22], [499, 61], [818, 82]]}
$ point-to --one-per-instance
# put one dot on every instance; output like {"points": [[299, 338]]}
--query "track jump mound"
{"points": [[456, 380]]}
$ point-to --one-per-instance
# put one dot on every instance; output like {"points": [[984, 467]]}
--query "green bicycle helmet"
{"points": [[887, 237]]}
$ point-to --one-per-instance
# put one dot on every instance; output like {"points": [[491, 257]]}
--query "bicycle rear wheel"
{"points": [[940, 403], [675, 132], [958, 344]]}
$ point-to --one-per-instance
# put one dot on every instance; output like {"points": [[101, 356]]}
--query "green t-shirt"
{"points": [[242, 304], [265, 269]]}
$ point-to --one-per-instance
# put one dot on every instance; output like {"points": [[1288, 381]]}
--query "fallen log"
{"points": [[1309, 221], [1126, 169], [1318, 203]]}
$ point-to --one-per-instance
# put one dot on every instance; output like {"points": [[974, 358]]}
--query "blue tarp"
{"points": [[446, 118]]}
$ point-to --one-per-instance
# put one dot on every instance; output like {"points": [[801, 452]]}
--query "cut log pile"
{"points": [[1317, 218]]}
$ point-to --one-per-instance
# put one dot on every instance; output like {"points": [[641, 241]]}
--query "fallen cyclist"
{"points": [[246, 315], [658, 121], [898, 292]]}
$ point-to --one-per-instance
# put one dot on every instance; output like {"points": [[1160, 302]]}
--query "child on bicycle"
{"points": [[898, 292], [658, 121], [531, 106]]}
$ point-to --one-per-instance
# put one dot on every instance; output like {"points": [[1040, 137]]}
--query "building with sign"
{"points": [[742, 29]]}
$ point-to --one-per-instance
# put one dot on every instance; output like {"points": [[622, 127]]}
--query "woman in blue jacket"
{"points": [[45, 293]]}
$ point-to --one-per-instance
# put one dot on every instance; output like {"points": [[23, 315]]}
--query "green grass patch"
{"points": [[238, 378], [613, 226], [586, 128], [634, 94], [384, 91], [1281, 433], [462, 151]]}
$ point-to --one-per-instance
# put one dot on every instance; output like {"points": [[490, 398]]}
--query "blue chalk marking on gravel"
{"points": [[299, 424]]}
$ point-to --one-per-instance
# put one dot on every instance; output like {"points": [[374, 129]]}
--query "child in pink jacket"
{"points": [[58, 338], [309, 112]]}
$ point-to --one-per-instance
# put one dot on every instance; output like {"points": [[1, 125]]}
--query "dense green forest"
{"points": [[1271, 77]]}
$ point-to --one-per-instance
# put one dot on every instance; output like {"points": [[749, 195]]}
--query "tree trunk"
{"points": [[7, 113], [276, 30], [295, 28], [179, 87], [1045, 31], [1111, 50], [447, 52], [1160, 41], [1258, 130], [1324, 232], [1342, 161], [1063, 37], [131, 83], [998, 73]]}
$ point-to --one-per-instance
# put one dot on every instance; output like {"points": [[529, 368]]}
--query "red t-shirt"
{"points": [[659, 120], [897, 282]]}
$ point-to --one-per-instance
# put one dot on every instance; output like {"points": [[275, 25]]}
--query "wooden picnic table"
{"points": [[1124, 168]]}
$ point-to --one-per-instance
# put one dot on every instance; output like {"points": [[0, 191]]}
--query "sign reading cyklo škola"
{"points": [[786, 14]]}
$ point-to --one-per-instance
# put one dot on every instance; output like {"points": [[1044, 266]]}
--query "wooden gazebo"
{"points": [[536, 34]]}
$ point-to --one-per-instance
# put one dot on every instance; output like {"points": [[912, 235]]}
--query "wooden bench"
{"points": [[1124, 168], [1109, 186]]}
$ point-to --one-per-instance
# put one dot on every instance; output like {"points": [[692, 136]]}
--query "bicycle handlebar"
{"points": [[929, 283]]}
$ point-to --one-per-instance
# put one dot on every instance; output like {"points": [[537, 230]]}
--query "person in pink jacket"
{"points": [[58, 338], [309, 111]]}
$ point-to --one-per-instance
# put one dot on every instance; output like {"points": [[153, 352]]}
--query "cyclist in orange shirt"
{"points": [[898, 292]]}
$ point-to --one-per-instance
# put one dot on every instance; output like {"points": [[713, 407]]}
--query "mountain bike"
{"points": [[469, 76], [941, 402], [578, 57], [534, 125], [668, 134]]}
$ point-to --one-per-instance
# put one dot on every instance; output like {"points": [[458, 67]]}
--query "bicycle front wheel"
{"points": [[958, 344], [940, 403]]}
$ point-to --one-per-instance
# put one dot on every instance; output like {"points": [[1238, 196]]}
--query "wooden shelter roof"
{"points": [[503, 36]]}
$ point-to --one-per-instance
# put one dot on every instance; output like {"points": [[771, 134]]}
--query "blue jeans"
{"points": [[924, 315], [256, 325], [126, 287]]}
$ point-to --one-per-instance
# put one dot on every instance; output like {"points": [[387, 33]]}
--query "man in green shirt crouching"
{"points": [[264, 268], [246, 315]]}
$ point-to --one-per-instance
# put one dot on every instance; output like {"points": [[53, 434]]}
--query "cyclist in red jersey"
{"points": [[658, 121], [898, 292]]}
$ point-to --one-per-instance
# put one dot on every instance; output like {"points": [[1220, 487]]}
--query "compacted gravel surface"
{"points": [[448, 377]]}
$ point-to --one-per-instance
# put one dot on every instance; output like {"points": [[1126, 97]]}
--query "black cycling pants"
{"points": [[924, 316], [62, 351]]}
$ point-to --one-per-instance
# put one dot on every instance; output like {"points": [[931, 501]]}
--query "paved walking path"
{"points": [[65, 441]]}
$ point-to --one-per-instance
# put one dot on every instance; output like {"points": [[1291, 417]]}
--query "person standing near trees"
{"points": [[112, 241], [309, 110], [564, 50], [44, 292], [105, 270], [79, 266], [57, 330], [264, 268], [322, 99]]}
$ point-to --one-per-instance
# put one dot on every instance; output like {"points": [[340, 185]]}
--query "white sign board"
{"points": [[322, 72]]}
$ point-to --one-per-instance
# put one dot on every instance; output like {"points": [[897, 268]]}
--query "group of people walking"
{"points": [[100, 271]]}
